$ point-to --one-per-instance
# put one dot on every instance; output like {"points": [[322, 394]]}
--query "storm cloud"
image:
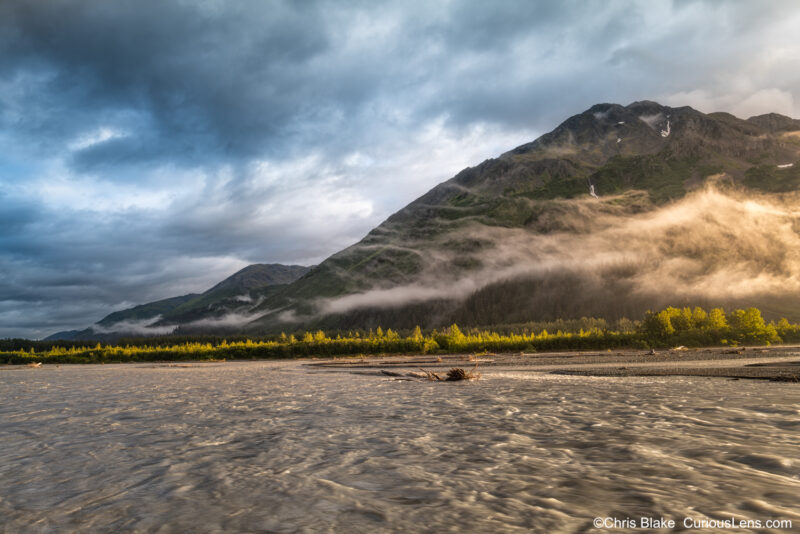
{"points": [[151, 148]]}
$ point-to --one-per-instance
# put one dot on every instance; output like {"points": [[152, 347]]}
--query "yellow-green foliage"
{"points": [[696, 327], [670, 326]]}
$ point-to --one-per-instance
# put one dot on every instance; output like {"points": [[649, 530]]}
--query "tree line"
{"points": [[666, 328]]}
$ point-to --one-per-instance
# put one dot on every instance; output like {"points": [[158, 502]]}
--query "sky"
{"points": [[149, 149]]}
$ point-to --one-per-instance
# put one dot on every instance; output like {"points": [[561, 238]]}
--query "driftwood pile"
{"points": [[453, 374]]}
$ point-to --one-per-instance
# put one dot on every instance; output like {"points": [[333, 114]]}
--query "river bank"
{"points": [[781, 363]]}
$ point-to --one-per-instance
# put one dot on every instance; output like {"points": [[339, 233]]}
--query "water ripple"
{"points": [[267, 447]]}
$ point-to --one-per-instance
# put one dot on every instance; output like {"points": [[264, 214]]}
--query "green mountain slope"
{"points": [[149, 310], [640, 159], [238, 292]]}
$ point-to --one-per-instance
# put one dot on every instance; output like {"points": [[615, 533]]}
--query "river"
{"points": [[281, 447]]}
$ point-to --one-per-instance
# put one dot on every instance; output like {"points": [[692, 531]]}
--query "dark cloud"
{"points": [[92, 264], [150, 148], [192, 82], [205, 80]]}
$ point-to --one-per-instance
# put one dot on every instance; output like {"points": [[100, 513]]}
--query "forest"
{"points": [[670, 327]]}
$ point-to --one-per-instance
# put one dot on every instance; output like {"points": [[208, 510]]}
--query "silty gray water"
{"points": [[277, 447]]}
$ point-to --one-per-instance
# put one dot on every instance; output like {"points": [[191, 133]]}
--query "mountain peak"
{"points": [[774, 122], [260, 275], [641, 106]]}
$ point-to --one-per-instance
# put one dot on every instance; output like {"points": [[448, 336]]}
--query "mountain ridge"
{"points": [[493, 235], [650, 154], [244, 285]]}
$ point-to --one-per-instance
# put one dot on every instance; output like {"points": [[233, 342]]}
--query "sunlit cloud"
{"points": [[95, 137]]}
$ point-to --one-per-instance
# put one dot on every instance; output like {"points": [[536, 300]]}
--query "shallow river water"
{"points": [[279, 447]]}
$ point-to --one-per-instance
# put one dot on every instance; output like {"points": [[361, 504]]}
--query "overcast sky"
{"points": [[151, 148]]}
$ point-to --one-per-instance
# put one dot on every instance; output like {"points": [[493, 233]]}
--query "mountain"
{"points": [[617, 210], [237, 292], [520, 238]]}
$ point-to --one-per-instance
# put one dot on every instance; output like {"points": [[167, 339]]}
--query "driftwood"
{"points": [[453, 375], [430, 375], [414, 374], [460, 374]]}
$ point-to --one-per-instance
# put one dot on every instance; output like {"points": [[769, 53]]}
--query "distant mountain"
{"points": [[617, 210], [150, 310], [236, 293]]}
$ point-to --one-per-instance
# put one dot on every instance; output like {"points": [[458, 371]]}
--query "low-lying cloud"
{"points": [[711, 245]]}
